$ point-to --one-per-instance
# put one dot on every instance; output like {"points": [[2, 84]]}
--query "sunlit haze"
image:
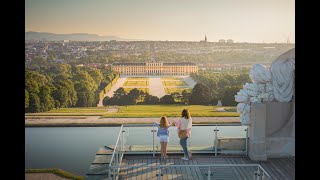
{"points": [[173, 20]]}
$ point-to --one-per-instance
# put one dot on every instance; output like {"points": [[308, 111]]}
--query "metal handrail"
{"points": [[150, 125], [115, 147], [260, 168], [215, 150], [115, 159], [114, 167]]}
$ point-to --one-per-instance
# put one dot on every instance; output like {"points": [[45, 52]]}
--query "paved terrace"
{"points": [[277, 168]]}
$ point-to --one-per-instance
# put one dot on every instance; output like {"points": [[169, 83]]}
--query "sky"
{"points": [[173, 20]]}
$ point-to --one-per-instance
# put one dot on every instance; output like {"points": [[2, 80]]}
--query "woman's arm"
{"points": [[172, 124], [156, 124], [178, 124]]}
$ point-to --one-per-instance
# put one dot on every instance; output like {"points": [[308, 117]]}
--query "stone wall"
{"points": [[271, 130]]}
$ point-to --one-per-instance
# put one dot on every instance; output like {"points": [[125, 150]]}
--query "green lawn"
{"points": [[136, 83], [137, 78], [179, 90], [141, 89], [80, 110], [174, 83], [170, 111], [142, 111]]}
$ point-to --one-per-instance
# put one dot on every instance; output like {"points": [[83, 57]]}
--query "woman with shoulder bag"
{"points": [[184, 126]]}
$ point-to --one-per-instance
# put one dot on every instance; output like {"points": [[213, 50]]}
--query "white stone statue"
{"points": [[282, 70], [259, 74], [276, 83]]}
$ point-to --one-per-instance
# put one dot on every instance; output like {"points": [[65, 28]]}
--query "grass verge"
{"points": [[56, 171]]}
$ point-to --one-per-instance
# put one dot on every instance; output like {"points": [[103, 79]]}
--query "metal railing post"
{"points": [[246, 141], [116, 157], [216, 140], [159, 175], [209, 173], [153, 152], [109, 173], [257, 174], [122, 140]]}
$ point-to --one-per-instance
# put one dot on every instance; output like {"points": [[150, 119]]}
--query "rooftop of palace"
{"points": [[164, 64]]}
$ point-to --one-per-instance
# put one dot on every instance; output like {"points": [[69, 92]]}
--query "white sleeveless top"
{"points": [[186, 123]]}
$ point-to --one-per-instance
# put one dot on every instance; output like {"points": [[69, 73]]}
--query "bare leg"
{"points": [[162, 148], [165, 148]]}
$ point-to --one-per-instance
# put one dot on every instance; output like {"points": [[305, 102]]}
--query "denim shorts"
{"points": [[164, 138]]}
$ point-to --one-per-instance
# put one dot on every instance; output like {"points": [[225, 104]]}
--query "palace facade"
{"points": [[154, 68]]}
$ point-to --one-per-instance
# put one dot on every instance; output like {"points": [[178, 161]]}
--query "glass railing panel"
{"points": [[202, 138], [231, 138], [139, 139]]}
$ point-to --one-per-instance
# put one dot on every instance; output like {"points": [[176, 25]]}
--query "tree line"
{"points": [[65, 85], [210, 88], [221, 86]]}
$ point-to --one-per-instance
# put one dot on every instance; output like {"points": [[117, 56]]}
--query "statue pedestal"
{"points": [[271, 130]]}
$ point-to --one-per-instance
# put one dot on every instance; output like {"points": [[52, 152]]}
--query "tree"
{"points": [[125, 100], [83, 82], [120, 92], [200, 94], [33, 81], [34, 105], [105, 100], [213, 86], [214, 101], [46, 100], [91, 100], [228, 98], [64, 70], [221, 87], [26, 99], [38, 60], [149, 99], [57, 104], [115, 100], [64, 92], [176, 95], [41, 87], [243, 79], [167, 99], [231, 79], [85, 87], [82, 100], [96, 75], [185, 96], [133, 96]]}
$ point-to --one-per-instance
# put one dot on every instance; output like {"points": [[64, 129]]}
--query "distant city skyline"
{"points": [[266, 21]]}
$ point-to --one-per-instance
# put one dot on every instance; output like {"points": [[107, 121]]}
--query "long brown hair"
{"points": [[164, 122], [185, 113]]}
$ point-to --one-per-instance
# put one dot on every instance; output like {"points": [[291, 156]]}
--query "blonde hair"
{"points": [[185, 113], [164, 122]]}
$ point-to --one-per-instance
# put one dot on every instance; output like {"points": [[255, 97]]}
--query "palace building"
{"points": [[155, 68]]}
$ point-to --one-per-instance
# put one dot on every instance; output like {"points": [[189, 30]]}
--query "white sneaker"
{"points": [[184, 158]]}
